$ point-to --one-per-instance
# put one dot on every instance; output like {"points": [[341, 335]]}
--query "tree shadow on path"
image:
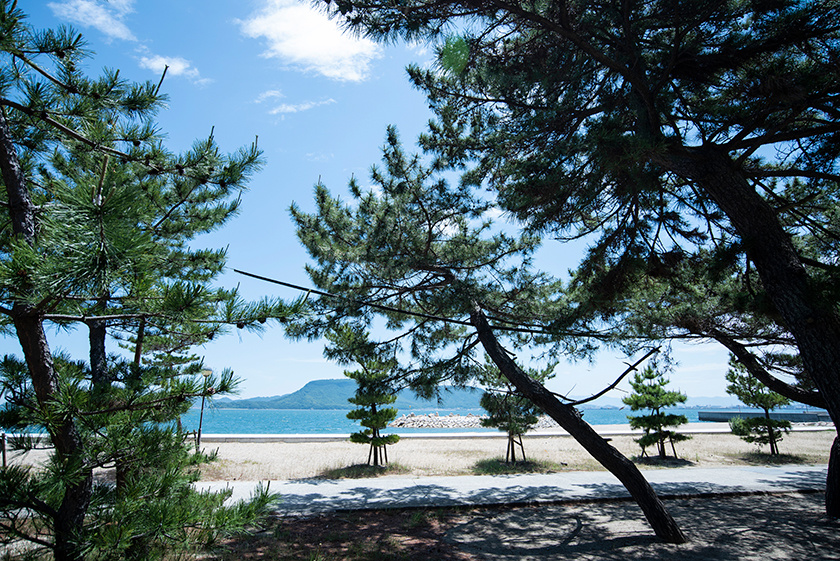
{"points": [[757, 527]]}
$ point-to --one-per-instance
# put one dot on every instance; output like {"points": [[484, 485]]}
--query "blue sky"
{"points": [[319, 102]]}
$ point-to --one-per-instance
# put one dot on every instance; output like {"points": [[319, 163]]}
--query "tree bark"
{"points": [[97, 333], [753, 366], [811, 319], [570, 419], [704, 328], [29, 327], [832, 488]]}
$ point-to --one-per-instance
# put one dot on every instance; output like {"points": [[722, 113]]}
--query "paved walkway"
{"points": [[305, 497]]}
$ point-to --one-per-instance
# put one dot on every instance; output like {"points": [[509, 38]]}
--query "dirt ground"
{"points": [[744, 528]]}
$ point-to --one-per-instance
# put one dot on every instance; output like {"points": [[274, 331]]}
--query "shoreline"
{"points": [[453, 434]]}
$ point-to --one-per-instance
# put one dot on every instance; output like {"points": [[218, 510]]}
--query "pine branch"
{"points": [[422, 315]]}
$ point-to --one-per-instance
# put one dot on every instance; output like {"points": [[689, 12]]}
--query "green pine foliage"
{"points": [[752, 393], [693, 144], [649, 394], [373, 414], [375, 388], [97, 234], [415, 243], [506, 410], [374, 393]]}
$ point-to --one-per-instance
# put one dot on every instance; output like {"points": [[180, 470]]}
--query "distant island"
{"points": [[333, 394]]}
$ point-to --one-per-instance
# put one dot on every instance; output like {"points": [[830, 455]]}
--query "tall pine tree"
{"points": [[658, 130], [97, 230], [424, 257]]}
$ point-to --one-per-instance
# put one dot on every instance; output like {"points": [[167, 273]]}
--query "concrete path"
{"points": [[305, 497]]}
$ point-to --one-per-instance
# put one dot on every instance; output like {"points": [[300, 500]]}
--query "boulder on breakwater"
{"points": [[451, 421]]}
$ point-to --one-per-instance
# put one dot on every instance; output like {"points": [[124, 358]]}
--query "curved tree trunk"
{"points": [[570, 419], [811, 319]]}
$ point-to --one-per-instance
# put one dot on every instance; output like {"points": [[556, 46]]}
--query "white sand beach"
{"points": [[445, 455]]}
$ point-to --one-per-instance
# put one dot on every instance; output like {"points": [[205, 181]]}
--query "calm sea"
{"points": [[314, 421]]}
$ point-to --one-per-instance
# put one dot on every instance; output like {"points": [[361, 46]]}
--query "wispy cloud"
{"points": [[304, 38], [319, 157], [298, 107], [104, 15], [267, 95], [178, 66]]}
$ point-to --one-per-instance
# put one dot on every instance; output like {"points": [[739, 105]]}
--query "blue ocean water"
{"points": [[316, 421]]}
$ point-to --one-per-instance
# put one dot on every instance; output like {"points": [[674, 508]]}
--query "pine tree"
{"points": [[507, 410], [372, 397], [425, 258], [649, 393], [658, 130], [752, 393], [97, 236], [375, 387]]}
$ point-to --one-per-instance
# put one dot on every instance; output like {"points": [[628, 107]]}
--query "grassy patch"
{"points": [[386, 535], [667, 462], [424, 518], [766, 459], [498, 466], [360, 471]]}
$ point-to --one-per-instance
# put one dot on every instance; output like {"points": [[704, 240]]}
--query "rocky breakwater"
{"points": [[451, 421], [435, 421]]}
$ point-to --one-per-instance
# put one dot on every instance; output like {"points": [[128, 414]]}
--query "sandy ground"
{"points": [[457, 456], [765, 527], [298, 460]]}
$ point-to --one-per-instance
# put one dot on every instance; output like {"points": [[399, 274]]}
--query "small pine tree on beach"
{"points": [[649, 393], [373, 394], [374, 388], [508, 411], [751, 392]]}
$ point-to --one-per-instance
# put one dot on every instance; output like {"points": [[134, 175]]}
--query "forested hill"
{"points": [[333, 394]]}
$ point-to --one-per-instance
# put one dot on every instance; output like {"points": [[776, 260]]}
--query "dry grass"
{"points": [[451, 456], [420, 457]]}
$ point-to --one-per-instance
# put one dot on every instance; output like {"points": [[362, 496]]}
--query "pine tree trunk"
{"points": [[36, 351], [811, 319], [97, 333], [771, 437], [570, 419], [832, 488]]}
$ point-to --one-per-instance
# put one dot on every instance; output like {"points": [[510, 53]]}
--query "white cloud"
{"points": [[305, 38], [319, 157], [494, 213], [178, 66], [270, 94], [298, 107], [106, 16]]}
